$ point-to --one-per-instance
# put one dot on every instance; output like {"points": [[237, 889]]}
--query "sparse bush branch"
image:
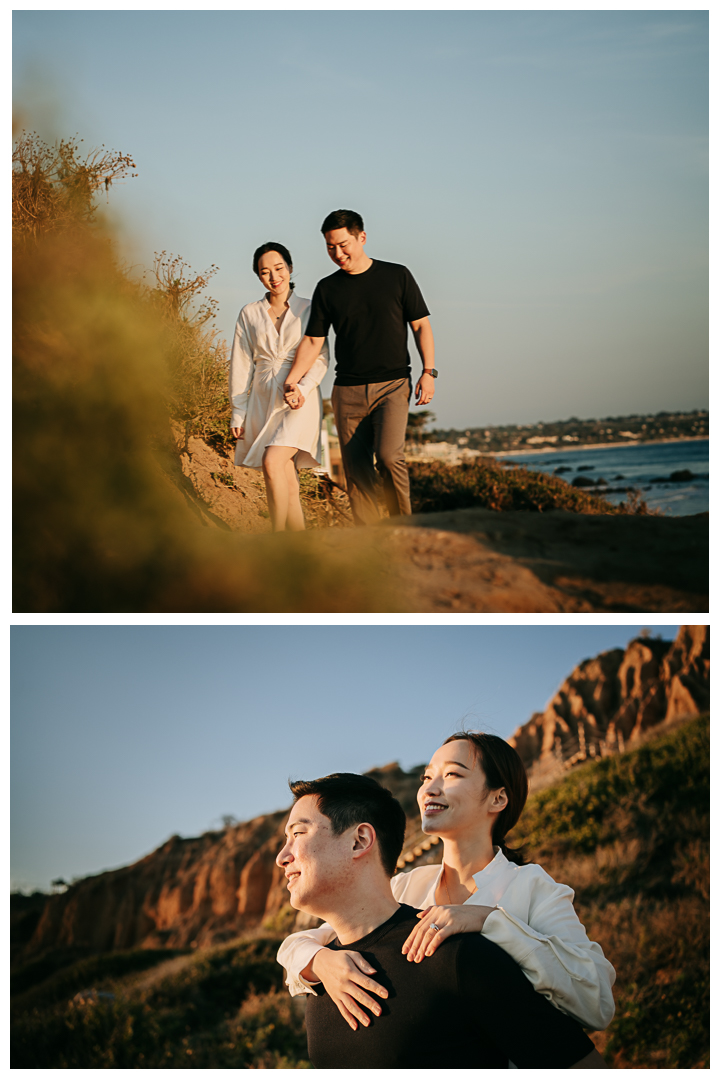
{"points": [[54, 187], [177, 290], [198, 356]]}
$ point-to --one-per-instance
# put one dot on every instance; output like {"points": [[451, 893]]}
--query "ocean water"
{"points": [[641, 466]]}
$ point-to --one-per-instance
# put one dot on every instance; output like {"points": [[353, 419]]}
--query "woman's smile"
{"points": [[453, 787]]}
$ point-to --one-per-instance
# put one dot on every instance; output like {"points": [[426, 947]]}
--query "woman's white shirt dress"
{"points": [[535, 922], [259, 363]]}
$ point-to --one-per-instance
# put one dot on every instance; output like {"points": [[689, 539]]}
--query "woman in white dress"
{"points": [[472, 794], [270, 435]]}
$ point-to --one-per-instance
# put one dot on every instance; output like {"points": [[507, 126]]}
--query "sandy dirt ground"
{"points": [[478, 560]]}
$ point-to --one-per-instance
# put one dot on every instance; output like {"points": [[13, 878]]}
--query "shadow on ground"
{"points": [[479, 560]]}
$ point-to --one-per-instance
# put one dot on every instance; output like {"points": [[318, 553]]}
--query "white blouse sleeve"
{"points": [[242, 369], [298, 949], [552, 948], [316, 374]]}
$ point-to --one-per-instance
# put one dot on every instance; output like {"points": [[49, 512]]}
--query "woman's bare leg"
{"points": [[295, 519], [283, 490]]}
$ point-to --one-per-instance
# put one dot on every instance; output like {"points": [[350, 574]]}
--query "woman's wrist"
{"points": [[485, 911], [309, 973]]}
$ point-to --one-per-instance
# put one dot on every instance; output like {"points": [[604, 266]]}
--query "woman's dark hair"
{"points": [[503, 768], [349, 799], [281, 250], [343, 219]]}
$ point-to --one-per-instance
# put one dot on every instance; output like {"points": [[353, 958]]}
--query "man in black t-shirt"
{"points": [[369, 304], [468, 1005]]}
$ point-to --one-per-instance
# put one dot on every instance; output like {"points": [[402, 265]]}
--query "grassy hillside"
{"points": [[220, 1008], [629, 833]]}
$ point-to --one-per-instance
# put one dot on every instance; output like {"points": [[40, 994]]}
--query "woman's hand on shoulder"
{"points": [[436, 924], [346, 978]]}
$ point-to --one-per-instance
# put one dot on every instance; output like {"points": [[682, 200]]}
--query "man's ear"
{"points": [[364, 840], [362, 237]]}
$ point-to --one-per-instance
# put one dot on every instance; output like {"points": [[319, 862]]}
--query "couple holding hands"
{"points": [[280, 356]]}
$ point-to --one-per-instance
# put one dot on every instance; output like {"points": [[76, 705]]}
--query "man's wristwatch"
{"points": [[430, 371]]}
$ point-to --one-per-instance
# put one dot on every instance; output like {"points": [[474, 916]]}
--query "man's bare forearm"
{"points": [[425, 343], [305, 356]]}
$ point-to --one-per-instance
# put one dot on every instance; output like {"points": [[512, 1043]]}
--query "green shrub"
{"points": [[486, 483]]}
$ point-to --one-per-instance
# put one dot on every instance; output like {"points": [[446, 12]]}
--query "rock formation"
{"points": [[613, 699], [208, 889], [199, 890]]}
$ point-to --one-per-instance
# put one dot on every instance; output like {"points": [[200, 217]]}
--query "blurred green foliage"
{"points": [[103, 518], [436, 486], [281, 922]]}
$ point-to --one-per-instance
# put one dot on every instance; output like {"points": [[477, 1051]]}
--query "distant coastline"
{"points": [[555, 449], [572, 434]]}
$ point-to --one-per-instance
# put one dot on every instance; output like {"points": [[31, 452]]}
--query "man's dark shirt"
{"points": [[468, 1006], [369, 313]]}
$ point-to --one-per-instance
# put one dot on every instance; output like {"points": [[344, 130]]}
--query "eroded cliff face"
{"points": [[211, 888], [613, 699], [204, 889]]}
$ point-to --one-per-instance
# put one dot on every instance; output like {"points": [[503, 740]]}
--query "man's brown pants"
{"points": [[371, 421]]}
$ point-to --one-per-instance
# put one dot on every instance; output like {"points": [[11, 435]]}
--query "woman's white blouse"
{"points": [[259, 363], [535, 922]]}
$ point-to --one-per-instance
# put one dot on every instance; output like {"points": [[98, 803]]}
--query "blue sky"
{"points": [[542, 173], [122, 736]]}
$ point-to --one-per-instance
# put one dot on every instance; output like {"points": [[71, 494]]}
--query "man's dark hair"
{"points": [[343, 219], [349, 799]]}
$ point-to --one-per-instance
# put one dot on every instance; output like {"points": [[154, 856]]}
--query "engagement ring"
{"points": [[434, 926]]}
